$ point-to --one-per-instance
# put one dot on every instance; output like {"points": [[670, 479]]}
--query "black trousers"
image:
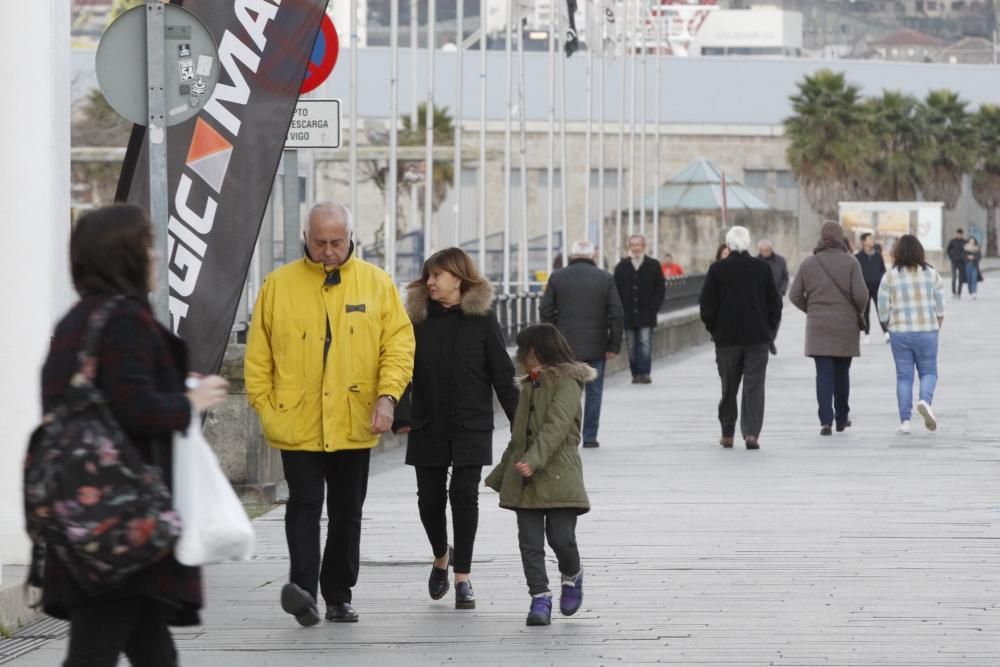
{"points": [[433, 494], [957, 277], [833, 389], [746, 363], [100, 631], [873, 296], [559, 527], [344, 477]]}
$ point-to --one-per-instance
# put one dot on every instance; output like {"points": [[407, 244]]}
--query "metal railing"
{"points": [[517, 311]]}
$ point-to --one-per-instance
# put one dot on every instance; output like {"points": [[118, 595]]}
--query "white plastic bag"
{"points": [[215, 526]]}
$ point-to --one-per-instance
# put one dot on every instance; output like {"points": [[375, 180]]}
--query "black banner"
{"points": [[221, 163]]}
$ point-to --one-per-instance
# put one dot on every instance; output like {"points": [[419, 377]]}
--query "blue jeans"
{"points": [[640, 351], [833, 389], [593, 393], [971, 276], [909, 350]]}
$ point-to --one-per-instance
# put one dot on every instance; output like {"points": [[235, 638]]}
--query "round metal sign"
{"points": [[191, 62]]}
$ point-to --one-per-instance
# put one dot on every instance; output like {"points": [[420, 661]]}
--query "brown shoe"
{"points": [[751, 441], [726, 441]]}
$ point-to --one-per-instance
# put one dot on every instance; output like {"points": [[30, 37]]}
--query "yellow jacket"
{"points": [[303, 403]]}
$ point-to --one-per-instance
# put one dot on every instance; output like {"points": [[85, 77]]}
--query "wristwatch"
{"points": [[392, 399]]}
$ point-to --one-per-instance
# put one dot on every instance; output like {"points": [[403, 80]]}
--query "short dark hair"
{"points": [[546, 343], [866, 235], [109, 251], [959, 231], [908, 253]]}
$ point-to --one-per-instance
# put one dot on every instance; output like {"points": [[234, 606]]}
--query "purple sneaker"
{"points": [[541, 610], [572, 595]]}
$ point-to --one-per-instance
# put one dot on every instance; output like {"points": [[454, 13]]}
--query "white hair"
{"points": [[764, 243], [582, 249], [738, 239], [329, 209]]}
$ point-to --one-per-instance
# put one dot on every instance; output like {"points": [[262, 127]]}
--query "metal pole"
{"points": [[456, 187], [523, 155], [621, 139], [290, 205], [159, 208], [429, 232], [482, 136], [631, 127], [601, 208], [507, 152], [551, 212], [590, 126], [353, 148], [563, 162], [659, 120], [642, 137], [414, 216], [392, 180]]}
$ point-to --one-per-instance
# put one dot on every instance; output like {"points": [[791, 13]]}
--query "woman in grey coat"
{"points": [[830, 289]]}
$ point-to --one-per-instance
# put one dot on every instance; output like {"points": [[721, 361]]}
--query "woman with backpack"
{"points": [[139, 367]]}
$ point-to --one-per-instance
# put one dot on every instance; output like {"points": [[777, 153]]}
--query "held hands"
{"points": [[524, 469], [382, 416], [206, 392]]}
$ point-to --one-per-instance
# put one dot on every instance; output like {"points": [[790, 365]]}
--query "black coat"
{"points": [[141, 372], [582, 301], [461, 358], [779, 269], [641, 291], [956, 251], [739, 302], [872, 269]]}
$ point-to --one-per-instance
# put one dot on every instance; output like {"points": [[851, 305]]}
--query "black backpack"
{"points": [[89, 499]]}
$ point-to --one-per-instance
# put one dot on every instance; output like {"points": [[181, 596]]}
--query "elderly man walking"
{"points": [[639, 279], [329, 353], [741, 308], [581, 300], [777, 264]]}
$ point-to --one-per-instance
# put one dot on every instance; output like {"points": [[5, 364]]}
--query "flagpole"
{"points": [[482, 137], [631, 126], [506, 154], [564, 176], [643, 119], [601, 207], [389, 232], [522, 152], [551, 212], [456, 187], [621, 139], [659, 121], [430, 237], [590, 126], [353, 87], [414, 217]]}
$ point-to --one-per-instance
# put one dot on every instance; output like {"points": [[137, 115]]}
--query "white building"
{"points": [[760, 31]]}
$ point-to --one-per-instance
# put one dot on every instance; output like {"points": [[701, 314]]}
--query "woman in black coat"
{"points": [[461, 359], [141, 369]]}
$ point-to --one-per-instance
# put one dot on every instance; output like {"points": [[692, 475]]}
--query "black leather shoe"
{"points": [[751, 441], [590, 444], [341, 612], [464, 597], [826, 430], [298, 602], [437, 583], [843, 425]]}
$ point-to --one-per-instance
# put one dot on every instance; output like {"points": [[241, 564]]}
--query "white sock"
{"points": [[542, 595], [570, 580]]}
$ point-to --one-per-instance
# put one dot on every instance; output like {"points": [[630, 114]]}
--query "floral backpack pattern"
{"points": [[89, 498]]}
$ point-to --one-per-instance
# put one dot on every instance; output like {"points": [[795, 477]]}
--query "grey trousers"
{"points": [[749, 364], [533, 527]]}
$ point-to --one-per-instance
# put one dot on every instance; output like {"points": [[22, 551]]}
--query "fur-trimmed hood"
{"points": [[575, 371], [475, 302]]}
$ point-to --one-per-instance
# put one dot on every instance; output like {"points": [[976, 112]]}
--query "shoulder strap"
{"points": [[88, 354], [847, 297]]}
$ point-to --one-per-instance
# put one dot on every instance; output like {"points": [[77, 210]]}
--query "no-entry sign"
{"points": [[324, 56]]}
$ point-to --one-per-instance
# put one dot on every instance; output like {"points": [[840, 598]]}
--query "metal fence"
{"points": [[517, 311]]}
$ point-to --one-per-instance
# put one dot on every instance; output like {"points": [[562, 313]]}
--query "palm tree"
{"points": [[902, 152], [829, 140], [953, 146], [986, 176]]}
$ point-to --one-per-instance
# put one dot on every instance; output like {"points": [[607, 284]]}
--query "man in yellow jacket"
{"points": [[329, 353]]}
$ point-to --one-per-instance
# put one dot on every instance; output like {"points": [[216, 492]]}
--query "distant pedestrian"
{"points": [[583, 303], [639, 279], [721, 252], [741, 308], [911, 302], [671, 269], [461, 359], [956, 254], [973, 254], [830, 290], [540, 476], [872, 269], [777, 263]]}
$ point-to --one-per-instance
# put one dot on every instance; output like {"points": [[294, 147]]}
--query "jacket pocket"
{"points": [[280, 417], [360, 406]]}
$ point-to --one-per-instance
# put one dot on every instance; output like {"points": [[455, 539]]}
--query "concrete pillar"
{"points": [[35, 197]]}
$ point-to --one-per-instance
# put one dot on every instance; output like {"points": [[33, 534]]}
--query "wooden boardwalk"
{"points": [[865, 548]]}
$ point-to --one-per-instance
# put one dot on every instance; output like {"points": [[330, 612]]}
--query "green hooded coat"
{"points": [[545, 435]]}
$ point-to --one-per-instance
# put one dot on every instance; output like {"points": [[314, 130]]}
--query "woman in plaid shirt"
{"points": [[911, 301]]}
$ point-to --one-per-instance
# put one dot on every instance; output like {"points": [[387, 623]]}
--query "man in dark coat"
{"points": [[639, 279], [777, 263], [956, 253], [583, 303], [741, 308], [872, 269]]}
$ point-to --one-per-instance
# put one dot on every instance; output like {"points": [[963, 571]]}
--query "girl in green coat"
{"points": [[540, 476]]}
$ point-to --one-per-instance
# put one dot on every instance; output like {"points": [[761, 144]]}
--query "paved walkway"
{"points": [[865, 548]]}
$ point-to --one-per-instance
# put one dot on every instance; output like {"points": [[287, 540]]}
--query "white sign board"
{"points": [[315, 124]]}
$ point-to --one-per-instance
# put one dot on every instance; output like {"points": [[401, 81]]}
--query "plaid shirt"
{"points": [[911, 300]]}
